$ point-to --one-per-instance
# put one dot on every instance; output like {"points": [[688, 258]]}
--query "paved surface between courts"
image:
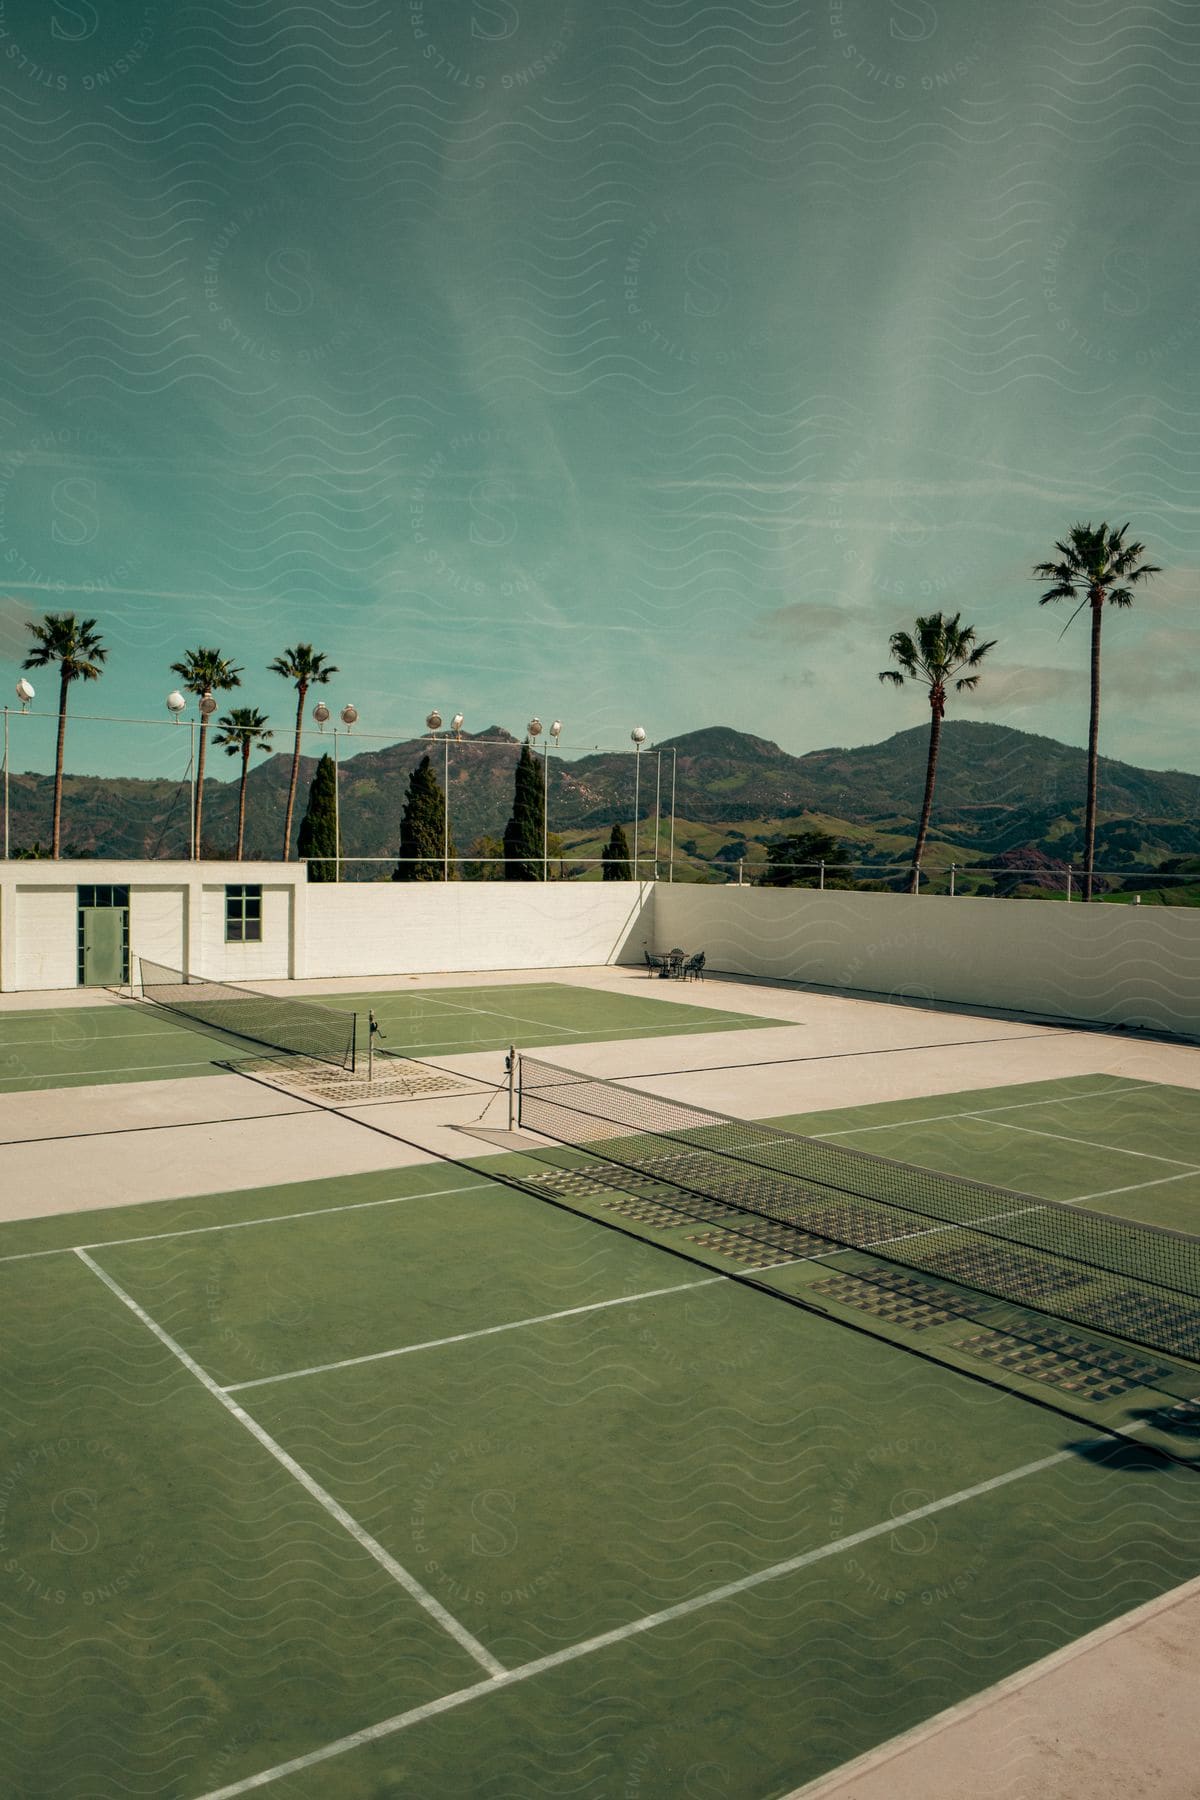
{"points": [[1112, 1717]]}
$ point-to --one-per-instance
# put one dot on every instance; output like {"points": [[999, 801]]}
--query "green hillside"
{"points": [[1004, 798]]}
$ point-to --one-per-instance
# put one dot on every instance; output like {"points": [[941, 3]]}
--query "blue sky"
{"points": [[637, 363]]}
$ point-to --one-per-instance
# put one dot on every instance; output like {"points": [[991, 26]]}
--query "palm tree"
{"points": [[307, 668], [241, 730], [1097, 565], [942, 647], [204, 672], [75, 645]]}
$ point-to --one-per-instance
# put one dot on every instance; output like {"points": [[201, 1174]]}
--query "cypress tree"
{"points": [[422, 825], [318, 827], [615, 856], [523, 835]]}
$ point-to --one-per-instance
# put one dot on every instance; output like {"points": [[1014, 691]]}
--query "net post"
{"points": [[353, 1042], [510, 1064]]}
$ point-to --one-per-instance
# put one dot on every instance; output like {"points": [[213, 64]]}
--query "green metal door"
{"points": [[103, 933]]}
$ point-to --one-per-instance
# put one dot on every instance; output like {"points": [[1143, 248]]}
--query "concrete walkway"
{"points": [[1111, 1717]]}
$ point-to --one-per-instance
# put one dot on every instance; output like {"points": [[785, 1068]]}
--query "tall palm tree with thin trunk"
{"points": [[307, 668], [941, 649], [1096, 565], [240, 731], [75, 645], [202, 672]]}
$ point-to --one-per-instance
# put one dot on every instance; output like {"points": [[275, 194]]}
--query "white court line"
{"points": [[1134, 1188], [981, 1112], [316, 1212], [387, 1727], [609, 1034], [496, 1012], [463, 1337], [336, 1511], [53, 1040], [1060, 1137], [124, 1069]]}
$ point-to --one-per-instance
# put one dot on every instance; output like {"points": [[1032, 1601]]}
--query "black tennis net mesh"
{"points": [[299, 1027], [1131, 1281]]}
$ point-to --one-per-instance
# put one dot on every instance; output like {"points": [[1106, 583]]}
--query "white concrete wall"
{"points": [[45, 927], [269, 960], [157, 921], [1115, 964], [1131, 965], [394, 928], [176, 916]]}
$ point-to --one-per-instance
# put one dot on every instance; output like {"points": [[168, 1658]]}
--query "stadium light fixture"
{"points": [[321, 715], [638, 737], [25, 693]]}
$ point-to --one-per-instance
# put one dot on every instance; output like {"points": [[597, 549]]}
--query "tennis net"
{"points": [[299, 1027], [1132, 1281]]}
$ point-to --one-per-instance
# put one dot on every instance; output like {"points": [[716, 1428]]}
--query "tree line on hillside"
{"points": [[1095, 567], [527, 851]]}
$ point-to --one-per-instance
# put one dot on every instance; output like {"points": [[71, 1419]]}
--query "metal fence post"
{"points": [[821, 876], [953, 867], [1070, 872]]}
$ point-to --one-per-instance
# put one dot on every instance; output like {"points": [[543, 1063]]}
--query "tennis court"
{"points": [[128, 1040], [418, 1482]]}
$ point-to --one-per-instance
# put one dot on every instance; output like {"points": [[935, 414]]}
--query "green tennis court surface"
{"points": [[436, 1489], [136, 1042]]}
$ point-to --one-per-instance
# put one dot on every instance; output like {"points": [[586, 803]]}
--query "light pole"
{"points": [[25, 693], [671, 864], [349, 717], [638, 735], [175, 705], [556, 726], [657, 810], [206, 706], [535, 731], [433, 722]]}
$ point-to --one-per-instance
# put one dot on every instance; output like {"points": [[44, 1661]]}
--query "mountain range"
{"points": [[999, 791]]}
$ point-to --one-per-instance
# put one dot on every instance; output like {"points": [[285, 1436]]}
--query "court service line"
{"points": [[54, 1041], [202, 1062], [496, 1012], [1134, 1187], [980, 1112], [525, 1671], [1060, 1137], [610, 1034], [314, 1212], [336, 1511], [463, 1337]]}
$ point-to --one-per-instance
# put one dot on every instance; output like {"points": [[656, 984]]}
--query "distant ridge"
{"points": [[998, 789]]}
